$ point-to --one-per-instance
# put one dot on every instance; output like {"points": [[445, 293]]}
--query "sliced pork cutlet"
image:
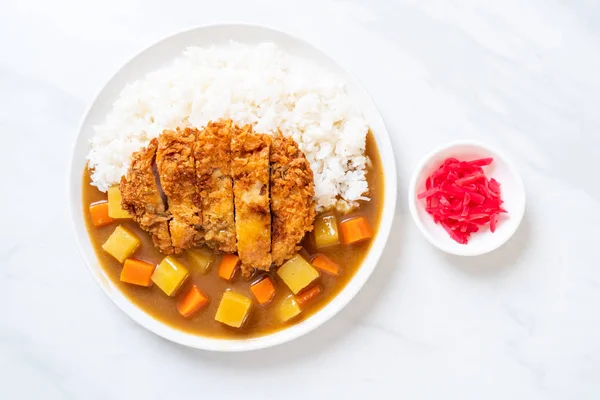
{"points": [[177, 172], [212, 152], [292, 193], [142, 197], [250, 165]]}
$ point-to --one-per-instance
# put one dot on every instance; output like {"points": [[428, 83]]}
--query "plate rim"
{"points": [[284, 335]]}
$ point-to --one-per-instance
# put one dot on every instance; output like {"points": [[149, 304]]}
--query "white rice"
{"points": [[259, 85]]}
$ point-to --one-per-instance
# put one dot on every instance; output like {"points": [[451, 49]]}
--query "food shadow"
{"points": [[333, 333], [499, 261]]}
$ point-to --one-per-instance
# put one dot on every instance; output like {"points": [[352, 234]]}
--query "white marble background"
{"points": [[521, 323]]}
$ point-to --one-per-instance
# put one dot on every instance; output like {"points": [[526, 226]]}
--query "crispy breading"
{"points": [[250, 167], [225, 186], [213, 172], [177, 172], [141, 196], [292, 193]]}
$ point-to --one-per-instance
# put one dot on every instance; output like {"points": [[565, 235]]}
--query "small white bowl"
{"points": [[513, 194], [156, 56]]}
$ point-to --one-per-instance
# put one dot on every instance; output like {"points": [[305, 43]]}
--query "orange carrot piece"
{"points": [[192, 302], [227, 267], [99, 213], [326, 264], [137, 272], [263, 290], [308, 295], [355, 229]]}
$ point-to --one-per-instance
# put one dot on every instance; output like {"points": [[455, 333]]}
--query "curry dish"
{"points": [[214, 231]]}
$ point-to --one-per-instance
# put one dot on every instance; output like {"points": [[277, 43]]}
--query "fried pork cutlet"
{"points": [[292, 192], [177, 172], [213, 172], [142, 197], [250, 166]]}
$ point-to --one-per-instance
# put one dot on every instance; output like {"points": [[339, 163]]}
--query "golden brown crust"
{"points": [[213, 171], [177, 171], [292, 193], [250, 167], [205, 175], [142, 198]]}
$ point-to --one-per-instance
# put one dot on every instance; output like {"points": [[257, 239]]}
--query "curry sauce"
{"points": [[261, 320]]}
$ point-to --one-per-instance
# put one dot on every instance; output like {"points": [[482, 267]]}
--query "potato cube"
{"points": [[233, 309], [326, 231], [201, 258], [287, 309], [297, 273], [121, 244], [114, 204], [169, 275]]}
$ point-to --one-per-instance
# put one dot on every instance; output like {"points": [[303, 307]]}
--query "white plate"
{"points": [[513, 194], [155, 57]]}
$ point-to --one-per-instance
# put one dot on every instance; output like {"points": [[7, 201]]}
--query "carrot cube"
{"points": [[228, 265], [326, 264], [355, 230], [192, 302], [308, 295], [137, 272], [263, 290], [99, 214]]}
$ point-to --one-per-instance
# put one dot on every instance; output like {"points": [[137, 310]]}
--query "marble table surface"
{"points": [[520, 323]]}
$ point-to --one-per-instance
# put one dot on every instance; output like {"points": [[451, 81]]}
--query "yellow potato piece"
{"points": [[297, 273], [169, 275], [121, 244], [326, 231], [287, 309], [233, 309], [114, 204], [201, 258]]}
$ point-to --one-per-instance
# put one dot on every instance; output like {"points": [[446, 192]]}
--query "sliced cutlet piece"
{"points": [[250, 166], [292, 193], [142, 197], [212, 152], [177, 172]]}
